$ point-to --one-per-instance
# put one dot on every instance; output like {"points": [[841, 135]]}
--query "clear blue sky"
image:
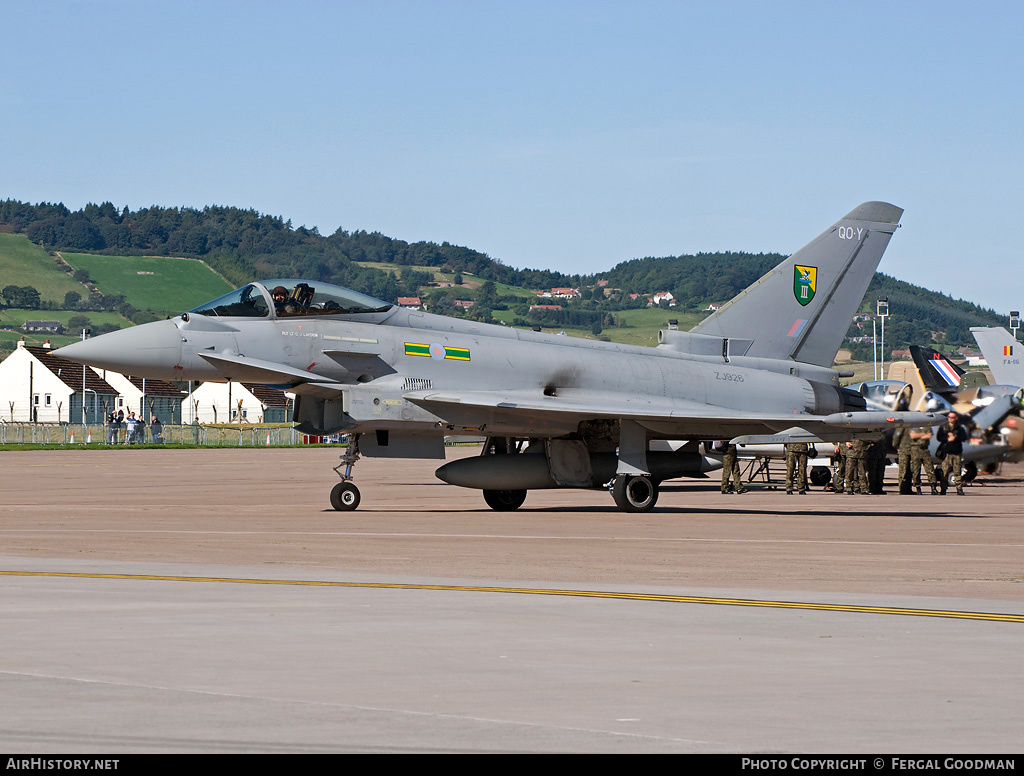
{"points": [[570, 135]]}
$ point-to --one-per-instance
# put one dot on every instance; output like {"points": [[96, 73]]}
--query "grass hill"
{"points": [[23, 263], [163, 285]]}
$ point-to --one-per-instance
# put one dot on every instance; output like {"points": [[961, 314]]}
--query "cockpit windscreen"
{"points": [[292, 298], [245, 302]]}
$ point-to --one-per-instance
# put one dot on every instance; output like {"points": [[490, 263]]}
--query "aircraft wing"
{"points": [[994, 412], [669, 418]]}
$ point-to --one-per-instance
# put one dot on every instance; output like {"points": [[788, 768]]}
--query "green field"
{"points": [[23, 263], [13, 318], [500, 288], [395, 269], [643, 325], [168, 285], [9, 341], [472, 281]]}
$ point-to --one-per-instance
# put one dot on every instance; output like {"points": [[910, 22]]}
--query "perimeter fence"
{"points": [[203, 436], [185, 434]]}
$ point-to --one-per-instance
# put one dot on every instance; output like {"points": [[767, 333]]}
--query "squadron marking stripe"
{"points": [[435, 351], [416, 349], [681, 599]]}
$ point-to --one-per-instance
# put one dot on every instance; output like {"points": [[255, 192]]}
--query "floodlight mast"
{"points": [[883, 312]]}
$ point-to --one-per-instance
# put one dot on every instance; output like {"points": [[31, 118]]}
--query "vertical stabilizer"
{"points": [[938, 372], [1003, 353], [802, 309]]}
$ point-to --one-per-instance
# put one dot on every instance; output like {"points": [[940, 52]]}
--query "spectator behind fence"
{"points": [[157, 430], [131, 424]]}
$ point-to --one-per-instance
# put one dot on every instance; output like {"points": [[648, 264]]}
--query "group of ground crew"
{"points": [[860, 463]]}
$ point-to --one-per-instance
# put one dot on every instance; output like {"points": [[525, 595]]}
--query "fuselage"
{"points": [[379, 353]]}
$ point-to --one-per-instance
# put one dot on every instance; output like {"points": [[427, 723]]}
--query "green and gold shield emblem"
{"points": [[805, 281]]}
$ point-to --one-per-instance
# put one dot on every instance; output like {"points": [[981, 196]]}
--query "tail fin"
{"points": [[802, 309], [1003, 353], [938, 373]]}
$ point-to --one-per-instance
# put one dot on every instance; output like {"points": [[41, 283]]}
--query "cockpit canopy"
{"points": [[886, 395], [290, 298]]}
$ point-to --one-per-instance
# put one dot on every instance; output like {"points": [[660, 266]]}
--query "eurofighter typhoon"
{"points": [[557, 412]]}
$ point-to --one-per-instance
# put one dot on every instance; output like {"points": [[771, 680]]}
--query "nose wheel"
{"points": [[345, 495]]}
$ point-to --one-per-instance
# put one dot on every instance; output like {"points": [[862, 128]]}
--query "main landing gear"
{"points": [[345, 495], [634, 493], [504, 500]]}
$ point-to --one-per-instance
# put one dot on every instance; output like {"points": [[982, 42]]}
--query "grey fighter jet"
{"points": [[557, 412], [1003, 353]]}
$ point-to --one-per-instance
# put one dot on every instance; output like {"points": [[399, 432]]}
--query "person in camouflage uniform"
{"points": [[840, 461], [905, 452], [951, 435], [921, 456], [796, 463], [856, 476], [730, 468], [874, 464]]}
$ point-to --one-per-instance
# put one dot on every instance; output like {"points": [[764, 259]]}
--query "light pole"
{"points": [[1014, 322], [874, 347], [883, 311], [85, 336]]}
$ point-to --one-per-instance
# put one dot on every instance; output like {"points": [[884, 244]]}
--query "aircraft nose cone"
{"points": [[149, 350]]}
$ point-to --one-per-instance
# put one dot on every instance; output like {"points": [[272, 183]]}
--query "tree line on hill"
{"points": [[243, 245]]}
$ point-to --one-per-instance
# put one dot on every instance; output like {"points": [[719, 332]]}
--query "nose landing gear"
{"points": [[345, 495]]}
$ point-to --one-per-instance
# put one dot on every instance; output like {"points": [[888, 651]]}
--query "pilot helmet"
{"points": [[280, 290]]}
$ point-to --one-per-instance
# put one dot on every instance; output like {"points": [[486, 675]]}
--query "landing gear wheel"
{"points": [[635, 494], [504, 500], [820, 476], [344, 497], [970, 471]]}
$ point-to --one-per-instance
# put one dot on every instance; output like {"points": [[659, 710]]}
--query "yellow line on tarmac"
{"points": [[679, 599]]}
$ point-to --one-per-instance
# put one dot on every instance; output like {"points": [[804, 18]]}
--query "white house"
{"points": [[145, 396], [238, 402], [663, 297], [37, 386]]}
